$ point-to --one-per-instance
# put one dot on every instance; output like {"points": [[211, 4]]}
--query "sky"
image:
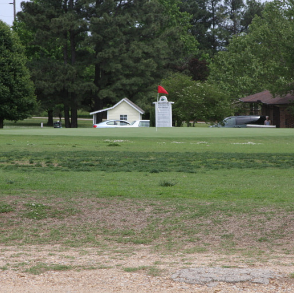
{"points": [[6, 10]]}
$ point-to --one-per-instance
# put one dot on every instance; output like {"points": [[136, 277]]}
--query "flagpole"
{"points": [[156, 112]]}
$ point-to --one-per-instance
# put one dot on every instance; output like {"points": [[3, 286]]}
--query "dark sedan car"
{"points": [[241, 121]]}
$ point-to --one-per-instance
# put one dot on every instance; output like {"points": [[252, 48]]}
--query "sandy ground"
{"points": [[89, 270]]}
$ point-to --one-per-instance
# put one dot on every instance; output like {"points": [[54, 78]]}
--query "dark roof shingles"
{"points": [[266, 97]]}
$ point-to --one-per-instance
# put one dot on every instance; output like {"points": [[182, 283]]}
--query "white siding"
{"points": [[124, 109]]}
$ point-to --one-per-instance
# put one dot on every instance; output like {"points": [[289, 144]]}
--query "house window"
{"points": [[123, 117]]}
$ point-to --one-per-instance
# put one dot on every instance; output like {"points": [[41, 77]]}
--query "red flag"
{"points": [[161, 90]]}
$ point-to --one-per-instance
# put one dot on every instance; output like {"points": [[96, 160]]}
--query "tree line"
{"points": [[84, 54]]}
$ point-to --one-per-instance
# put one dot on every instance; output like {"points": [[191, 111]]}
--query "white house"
{"points": [[123, 110]]}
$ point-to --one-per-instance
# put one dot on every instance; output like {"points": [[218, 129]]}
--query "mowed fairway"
{"points": [[177, 190]]}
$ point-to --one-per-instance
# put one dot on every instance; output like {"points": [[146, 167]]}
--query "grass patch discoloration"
{"points": [[38, 211], [155, 162], [41, 268], [166, 183]]}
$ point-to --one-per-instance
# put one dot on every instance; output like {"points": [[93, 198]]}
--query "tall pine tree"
{"points": [[17, 100], [58, 66], [97, 52], [135, 45]]}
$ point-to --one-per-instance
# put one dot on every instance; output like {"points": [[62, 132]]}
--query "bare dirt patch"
{"points": [[90, 270]]}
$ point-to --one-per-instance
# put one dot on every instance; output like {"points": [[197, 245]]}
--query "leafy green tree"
{"points": [[195, 100], [204, 102], [275, 34], [237, 71], [17, 98], [262, 59]]}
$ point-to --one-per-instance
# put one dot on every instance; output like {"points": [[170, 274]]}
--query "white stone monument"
{"points": [[163, 112]]}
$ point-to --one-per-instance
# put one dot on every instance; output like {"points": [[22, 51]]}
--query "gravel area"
{"points": [[90, 270], [212, 276]]}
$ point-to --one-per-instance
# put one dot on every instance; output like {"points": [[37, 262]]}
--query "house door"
{"points": [[276, 116]]}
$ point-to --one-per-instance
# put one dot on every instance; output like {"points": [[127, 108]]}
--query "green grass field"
{"points": [[188, 190]]}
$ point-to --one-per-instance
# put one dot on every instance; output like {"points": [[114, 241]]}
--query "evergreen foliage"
{"points": [[215, 22], [102, 50], [57, 65], [17, 98]]}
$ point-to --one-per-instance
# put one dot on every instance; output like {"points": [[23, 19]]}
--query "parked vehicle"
{"points": [[122, 123], [57, 124], [241, 121], [140, 123], [112, 124]]}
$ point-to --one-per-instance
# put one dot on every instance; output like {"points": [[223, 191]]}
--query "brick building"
{"points": [[275, 107]]}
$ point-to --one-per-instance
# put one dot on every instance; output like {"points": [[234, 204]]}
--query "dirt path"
{"points": [[88, 270]]}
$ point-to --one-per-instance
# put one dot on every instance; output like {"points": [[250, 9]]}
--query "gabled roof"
{"points": [[267, 98], [123, 100]]}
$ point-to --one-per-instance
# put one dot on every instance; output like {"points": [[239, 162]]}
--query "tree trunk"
{"points": [[98, 106], [73, 98], [66, 116], [98, 103], [74, 116], [1, 122], [50, 118]]}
